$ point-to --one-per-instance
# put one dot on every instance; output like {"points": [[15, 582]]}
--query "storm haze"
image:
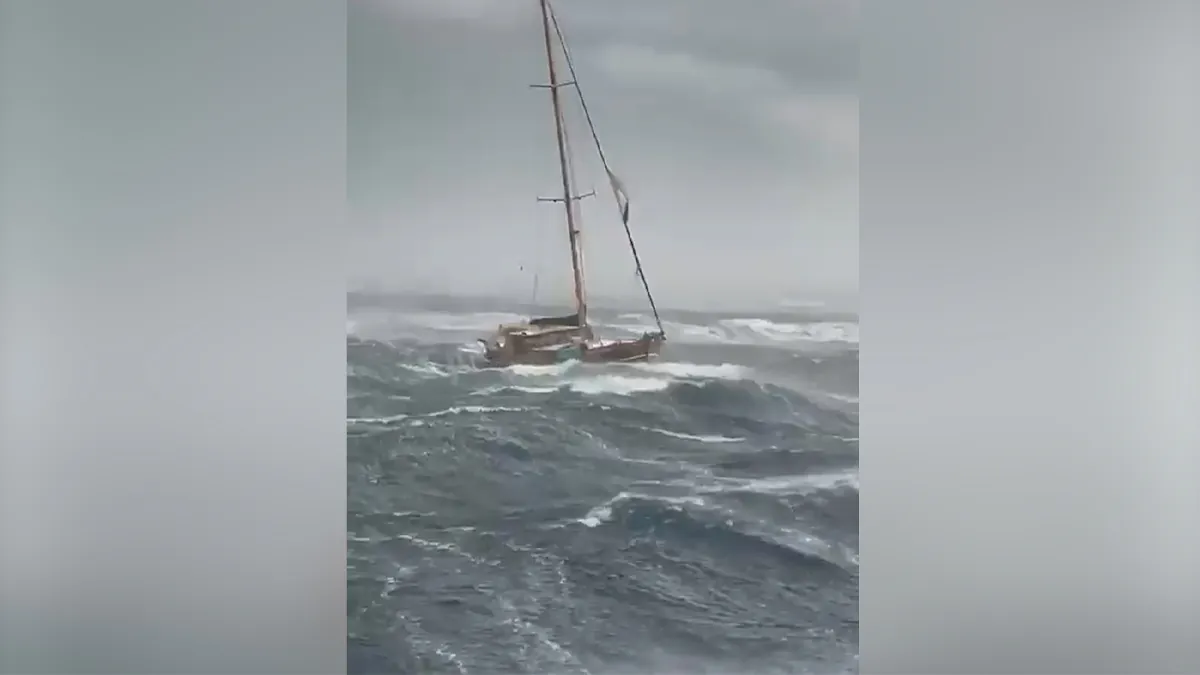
{"points": [[734, 130]]}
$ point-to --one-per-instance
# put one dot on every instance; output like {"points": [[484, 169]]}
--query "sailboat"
{"points": [[555, 339]]}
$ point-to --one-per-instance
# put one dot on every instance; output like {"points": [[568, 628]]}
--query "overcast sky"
{"points": [[734, 126]]}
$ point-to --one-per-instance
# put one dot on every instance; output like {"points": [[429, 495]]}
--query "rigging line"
{"points": [[533, 294], [604, 161]]}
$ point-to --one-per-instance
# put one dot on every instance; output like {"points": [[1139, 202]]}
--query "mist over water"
{"points": [[695, 514]]}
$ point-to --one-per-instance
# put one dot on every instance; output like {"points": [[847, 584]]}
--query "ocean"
{"points": [[698, 514]]}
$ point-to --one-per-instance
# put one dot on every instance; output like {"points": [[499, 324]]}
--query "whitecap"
{"points": [[618, 385], [474, 410], [790, 485], [553, 370], [723, 371], [820, 331], [375, 420], [603, 513], [700, 438]]}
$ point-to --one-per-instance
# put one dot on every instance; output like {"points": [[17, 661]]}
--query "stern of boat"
{"points": [[494, 351]]}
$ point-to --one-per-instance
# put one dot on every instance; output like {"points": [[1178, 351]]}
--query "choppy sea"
{"points": [[698, 514]]}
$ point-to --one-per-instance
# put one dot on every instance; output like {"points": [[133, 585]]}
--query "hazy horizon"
{"points": [[369, 299], [735, 132]]}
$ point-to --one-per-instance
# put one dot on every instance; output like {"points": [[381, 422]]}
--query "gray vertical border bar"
{"points": [[172, 366], [1031, 306]]}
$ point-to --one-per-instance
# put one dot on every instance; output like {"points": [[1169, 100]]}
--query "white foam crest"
{"points": [[821, 331], [614, 379], [474, 410], [798, 484], [751, 330], [598, 515], [350, 421], [430, 369], [681, 332], [808, 544], [723, 371], [628, 379], [444, 547], [415, 417], [426, 368], [603, 513], [617, 384], [713, 438], [553, 370], [488, 391], [535, 390]]}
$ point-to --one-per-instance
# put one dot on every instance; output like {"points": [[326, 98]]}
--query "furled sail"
{"points": [[618, 189]]}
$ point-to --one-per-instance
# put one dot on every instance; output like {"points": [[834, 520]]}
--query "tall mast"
{"points": [[567, 197]]}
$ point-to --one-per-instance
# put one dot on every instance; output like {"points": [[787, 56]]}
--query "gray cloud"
{"points": [[735, 129], [760, 93]]}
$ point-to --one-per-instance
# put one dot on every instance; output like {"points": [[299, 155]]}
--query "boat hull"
{"points": [[642, 349]]}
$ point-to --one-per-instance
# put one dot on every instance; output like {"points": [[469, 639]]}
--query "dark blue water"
{"points": [[698, 514]]}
